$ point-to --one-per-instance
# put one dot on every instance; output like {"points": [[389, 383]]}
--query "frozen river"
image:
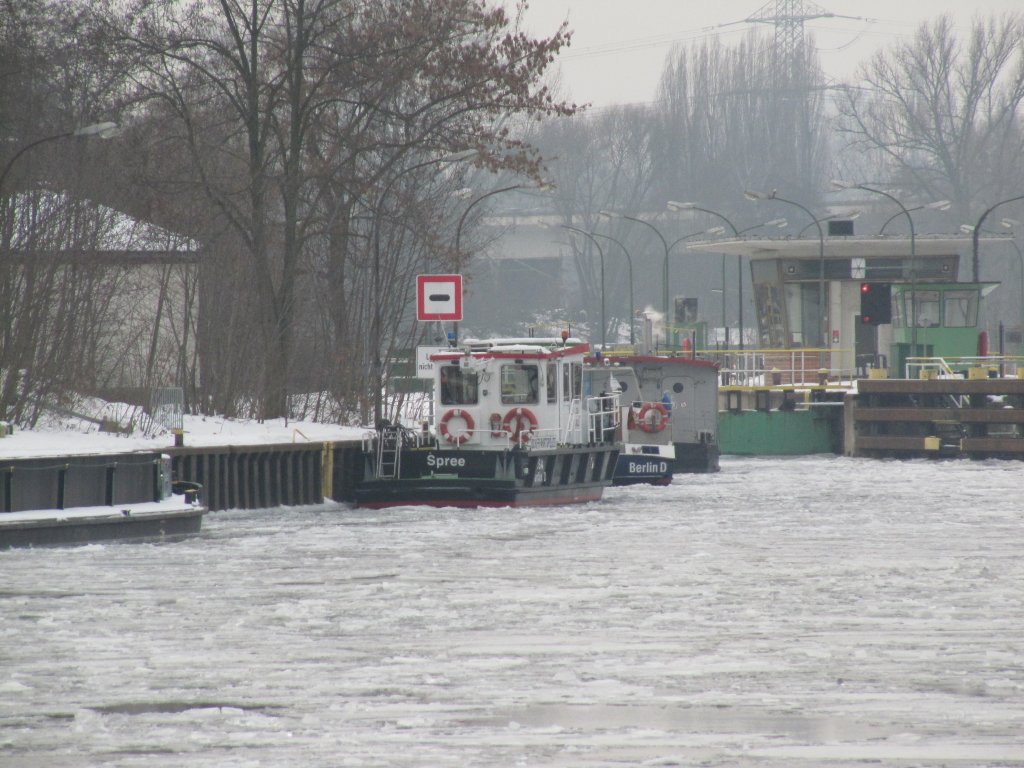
{"points": [[802, 612]]}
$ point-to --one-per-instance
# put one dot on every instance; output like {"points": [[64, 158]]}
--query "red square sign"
{"points": [[439, 297]]}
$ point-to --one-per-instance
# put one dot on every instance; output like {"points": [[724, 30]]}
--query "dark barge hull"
{"points": [[52, 528], [486, 478]]}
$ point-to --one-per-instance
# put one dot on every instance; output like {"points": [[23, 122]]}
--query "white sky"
{"points": [[619, 46]]}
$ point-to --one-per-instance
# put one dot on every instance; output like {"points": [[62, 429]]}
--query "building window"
{"points": [[926, 312], [961, 309]]}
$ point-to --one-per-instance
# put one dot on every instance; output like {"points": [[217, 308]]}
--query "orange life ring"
{"points": [[653, 417], [525, 422], [461, 437]]}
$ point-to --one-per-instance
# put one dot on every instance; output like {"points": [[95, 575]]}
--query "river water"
{"points": [[813, 611]]}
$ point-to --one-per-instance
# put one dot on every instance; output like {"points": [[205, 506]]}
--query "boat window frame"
{"points": [[572, 381], [519, 383], [458, 385]]}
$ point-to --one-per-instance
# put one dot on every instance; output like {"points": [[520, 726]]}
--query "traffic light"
{"points": [[875, 303]]}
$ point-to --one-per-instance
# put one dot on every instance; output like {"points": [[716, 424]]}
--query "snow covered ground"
{"points": [[813, 611], [198, 431]]}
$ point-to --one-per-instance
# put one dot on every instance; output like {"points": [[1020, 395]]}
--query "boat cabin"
{"points": [[501, 393]]}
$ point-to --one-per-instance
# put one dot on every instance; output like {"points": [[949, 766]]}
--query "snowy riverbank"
{"points": [[199, 431]]}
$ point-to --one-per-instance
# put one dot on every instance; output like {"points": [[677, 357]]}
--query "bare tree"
{"points": [[943, 113], [603, 161], [295, 113], [725, 121]]}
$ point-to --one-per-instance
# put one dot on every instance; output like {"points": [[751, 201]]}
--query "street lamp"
{"points": [[823, 330], [600, 251], [465, 191], [1011, 224], [629, 264], [664, 269], [377, 302], [675, 206], [937, 205], [462, 219], [778, 224], [99, 130], [1014, 225], [711, 230], [975, 266]]}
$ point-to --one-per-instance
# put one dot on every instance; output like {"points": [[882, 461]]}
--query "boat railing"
{"points": [[603, 418]]}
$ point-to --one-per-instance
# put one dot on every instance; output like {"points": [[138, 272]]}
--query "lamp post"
{"points": [[709, 231], [664, 269], [99, 130], [600, 252], [938, 205], [1011, 224], [778, 223], [975, 265], [629, 264], [465, 213], [377, 371], [823, 330], [674, 206], [458, 236]]}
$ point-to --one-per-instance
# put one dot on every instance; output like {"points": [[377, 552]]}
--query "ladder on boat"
{"points": [[389, 452]]}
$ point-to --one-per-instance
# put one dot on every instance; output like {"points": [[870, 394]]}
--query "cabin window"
{"points": [[551, 382], [458, 387], [572, 381], [520, 384], [961, 309], [927, 310]]}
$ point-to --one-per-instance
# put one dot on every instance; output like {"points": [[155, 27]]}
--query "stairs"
{"points": [[389, 452]]}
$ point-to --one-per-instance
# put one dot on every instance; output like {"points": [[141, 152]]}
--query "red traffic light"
{"points": [[875, 303]]}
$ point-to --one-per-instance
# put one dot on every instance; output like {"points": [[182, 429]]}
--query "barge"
{"points": [[511, 427]]}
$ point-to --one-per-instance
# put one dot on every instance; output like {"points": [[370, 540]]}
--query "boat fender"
{"points": [[496, 429], [452, 437], [653, 417], [520, 424]]}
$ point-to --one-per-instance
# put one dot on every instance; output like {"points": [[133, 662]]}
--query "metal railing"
{"points": [[959, 367], [602, 418], [780, 367]]}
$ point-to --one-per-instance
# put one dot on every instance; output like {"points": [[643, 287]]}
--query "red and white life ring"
{"points": [[653, 417], [456, 438], [520, 424]]}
